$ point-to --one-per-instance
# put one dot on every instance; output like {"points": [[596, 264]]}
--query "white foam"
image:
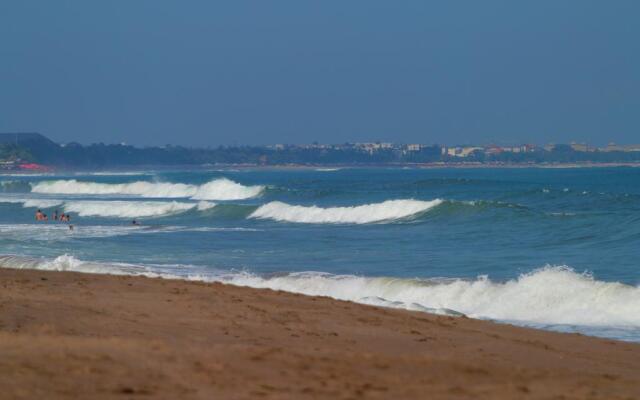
{"points": [[218, 189], [225, 189], [552, 295], [113, 208], [32, 203], [41, 203], [69, 263], [55, 232], [389, 210], [205, 205], [127, 209]]}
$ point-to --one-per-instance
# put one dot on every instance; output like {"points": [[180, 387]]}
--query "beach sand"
{"points": [[70, 335]]}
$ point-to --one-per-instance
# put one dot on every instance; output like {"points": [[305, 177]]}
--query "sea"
{"points": [[550, 248]]}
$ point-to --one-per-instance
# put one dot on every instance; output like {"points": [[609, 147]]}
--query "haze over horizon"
{"points": [[204, 73]]}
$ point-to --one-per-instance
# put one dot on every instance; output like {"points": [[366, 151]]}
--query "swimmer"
{"points": [[39, 215]]}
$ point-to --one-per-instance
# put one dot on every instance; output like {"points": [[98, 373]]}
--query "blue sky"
{"points": [[255, 72]]}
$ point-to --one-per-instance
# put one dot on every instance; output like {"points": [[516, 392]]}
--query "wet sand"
{"points": [[70, 335]]}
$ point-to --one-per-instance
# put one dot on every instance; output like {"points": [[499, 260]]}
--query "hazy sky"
{"points": [[255, 72]]}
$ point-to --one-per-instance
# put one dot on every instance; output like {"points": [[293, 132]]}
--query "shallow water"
{"points": [[551, 248]]}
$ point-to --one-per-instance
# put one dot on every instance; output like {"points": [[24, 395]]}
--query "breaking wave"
{"points": [[33, 203], [218, 189], [114, 208], [127, 209], [548, 297], [70, 263], [551, 295], [389, 210]]}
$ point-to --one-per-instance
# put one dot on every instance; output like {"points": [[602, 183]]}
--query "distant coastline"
{"points": [[37, 153]]}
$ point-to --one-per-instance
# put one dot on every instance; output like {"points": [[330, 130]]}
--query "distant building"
{"points": [[461, 151], [582, 147], [374, 147], [632, 147], [612, 147], [493, 150]]}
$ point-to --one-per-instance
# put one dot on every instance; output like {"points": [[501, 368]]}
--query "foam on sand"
{"points": [[217, 189], [389, 210]]}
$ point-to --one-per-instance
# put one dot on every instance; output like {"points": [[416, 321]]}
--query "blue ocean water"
{"points": [[550, 248]]}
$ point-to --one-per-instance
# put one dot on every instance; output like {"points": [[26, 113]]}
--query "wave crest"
{"points": [[551, 295], [114, 208], [389, 210], [127, 209], [218, 189]]}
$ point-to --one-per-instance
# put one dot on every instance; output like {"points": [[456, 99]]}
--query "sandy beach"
{"points": [[70, 335]]}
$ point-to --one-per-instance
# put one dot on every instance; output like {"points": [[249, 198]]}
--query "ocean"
{"points": [[551, 248]]}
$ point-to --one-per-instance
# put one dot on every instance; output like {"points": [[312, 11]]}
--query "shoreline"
{"points": [[75, 335]]}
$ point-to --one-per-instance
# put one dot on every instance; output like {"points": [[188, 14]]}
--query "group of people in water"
{"points": [[40, 216], [62, 217]]}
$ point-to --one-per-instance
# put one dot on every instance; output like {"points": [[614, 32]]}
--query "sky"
{"points": [[209, 73]]}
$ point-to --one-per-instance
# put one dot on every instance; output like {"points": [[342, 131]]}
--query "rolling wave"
{"points": [[131, 209], [218, 189], [387, 211], [114, 208], [390, 210]]}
